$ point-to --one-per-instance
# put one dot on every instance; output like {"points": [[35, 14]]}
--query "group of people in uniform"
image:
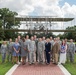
{"points": [[41, 50]]}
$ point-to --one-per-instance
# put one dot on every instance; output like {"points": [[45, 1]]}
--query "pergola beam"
{"points": [[40, 19], [23, 30]]}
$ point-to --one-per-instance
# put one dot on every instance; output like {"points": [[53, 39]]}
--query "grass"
{"points": [[4, 67], [71, 67]]}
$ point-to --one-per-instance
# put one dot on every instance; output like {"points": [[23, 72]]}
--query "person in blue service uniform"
{"points": [[48, 50]]}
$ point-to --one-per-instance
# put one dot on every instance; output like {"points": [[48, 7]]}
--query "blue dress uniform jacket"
{"points": [[47, 50]]}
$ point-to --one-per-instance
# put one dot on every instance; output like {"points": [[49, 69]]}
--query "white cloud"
{"points": [[69, 10], [40, 7]]}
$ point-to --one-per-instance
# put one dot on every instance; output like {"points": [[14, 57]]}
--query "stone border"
{"points": [[12, 70], [64, 70]]}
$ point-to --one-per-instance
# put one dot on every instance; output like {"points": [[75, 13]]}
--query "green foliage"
{"points": [[61, 36], [39, 34], [4, 67], [0, 24], [69, 35], [1, 34], [10, 34], [71, 67], [7, 21]]}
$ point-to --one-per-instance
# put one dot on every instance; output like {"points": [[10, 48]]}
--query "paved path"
{"points": [[37, 69]]}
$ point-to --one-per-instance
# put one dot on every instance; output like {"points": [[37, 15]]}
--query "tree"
{"points": [[61, 36], [70, 35], [8, 22], [1, 31]]}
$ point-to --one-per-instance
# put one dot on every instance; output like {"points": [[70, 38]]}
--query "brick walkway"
{"points": [[38, 69]]}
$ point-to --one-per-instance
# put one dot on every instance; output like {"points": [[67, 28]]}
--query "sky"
{"points": [[59, 8]]}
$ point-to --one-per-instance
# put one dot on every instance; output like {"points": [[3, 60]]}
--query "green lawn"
{"points": [[4, 67], [71, 67]]}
